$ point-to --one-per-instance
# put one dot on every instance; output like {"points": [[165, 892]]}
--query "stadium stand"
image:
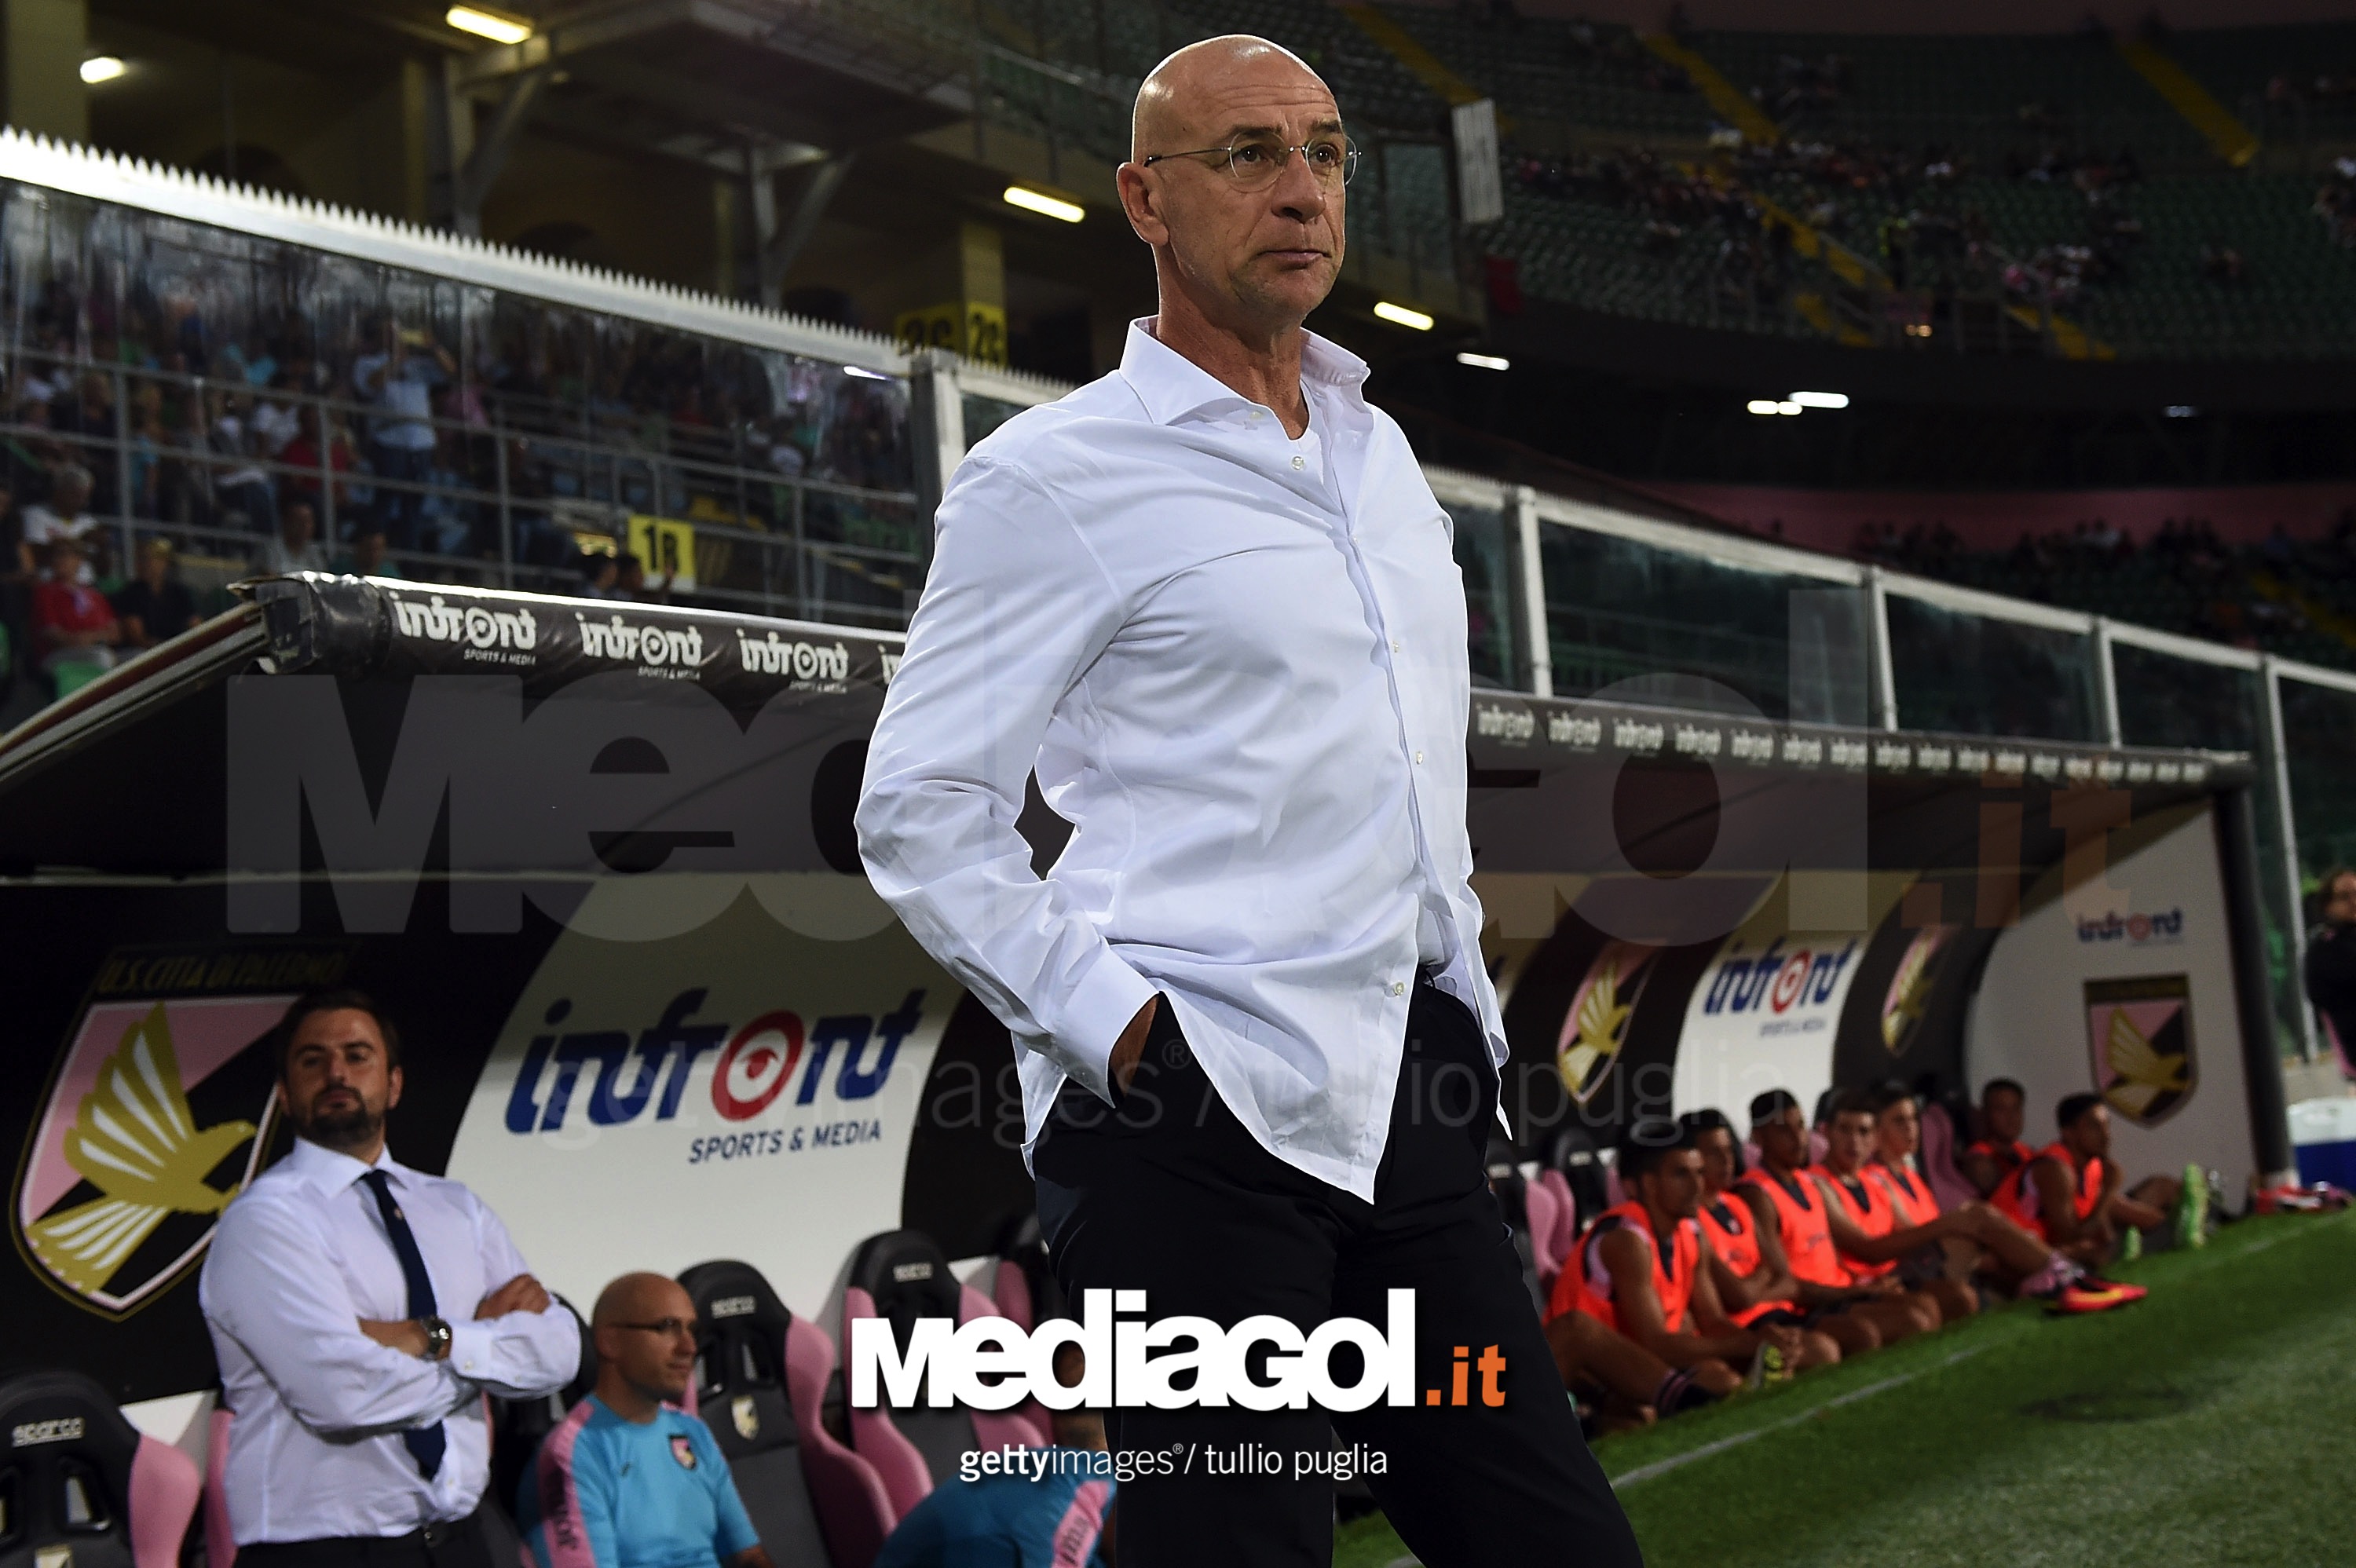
{"points": [[1989, 194]]}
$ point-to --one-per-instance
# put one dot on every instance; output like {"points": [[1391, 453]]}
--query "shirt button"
{"points": [[1301, 463], [1398, 988], [1395, 647], [1418, 759]]}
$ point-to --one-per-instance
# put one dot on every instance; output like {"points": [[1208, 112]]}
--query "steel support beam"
{"points": [[471, 179]]}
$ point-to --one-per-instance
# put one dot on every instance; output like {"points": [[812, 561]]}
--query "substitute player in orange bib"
{"points": [[1641, 1271], [1990, 1246], [2070, 1192], [1789, 1201]]}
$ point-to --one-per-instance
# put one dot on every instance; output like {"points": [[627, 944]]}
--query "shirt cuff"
{"points": [[1107, 997], [470, 1349]]}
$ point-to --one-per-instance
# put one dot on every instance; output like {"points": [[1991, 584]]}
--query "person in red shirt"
{"points": [[1999, 1150], [72, 623]]}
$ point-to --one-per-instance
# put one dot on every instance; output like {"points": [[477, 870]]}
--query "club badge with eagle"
{"points": [[1909, 988], [2139, 1034], [1596, 1026], [157, 1117]]}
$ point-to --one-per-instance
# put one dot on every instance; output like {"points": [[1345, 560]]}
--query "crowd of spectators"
{"points": [[341, 434]]}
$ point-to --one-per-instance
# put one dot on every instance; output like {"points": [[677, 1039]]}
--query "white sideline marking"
{"points": [[1678, 1461]]}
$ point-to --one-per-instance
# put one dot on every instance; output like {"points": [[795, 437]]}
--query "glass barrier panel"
{"points": [[1655, 625], [2320, 741], [2165, 700], [984, 415], [1485, 554], [1960, 671]]}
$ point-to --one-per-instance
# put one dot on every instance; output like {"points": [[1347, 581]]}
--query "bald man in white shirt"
{"points": [[1210, 599], [359, 1311]]}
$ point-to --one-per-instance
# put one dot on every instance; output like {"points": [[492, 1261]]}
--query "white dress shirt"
{"points": [[1237, 662], [299, 1259]]}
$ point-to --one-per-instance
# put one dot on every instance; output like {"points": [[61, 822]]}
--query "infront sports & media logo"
{"points": [[994, 1363]]}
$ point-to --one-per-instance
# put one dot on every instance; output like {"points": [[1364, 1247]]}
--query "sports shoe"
{"points": [[2118, 1286], [2191, 1214], [1767, 1367], [2077, 1300], [2130, 1245]]}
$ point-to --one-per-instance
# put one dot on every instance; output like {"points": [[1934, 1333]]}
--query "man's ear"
{"points": [[392, 1088], [1141, 203]]}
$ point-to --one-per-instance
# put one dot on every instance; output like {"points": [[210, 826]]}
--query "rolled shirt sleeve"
{"points": [[1015, 608], [520, 1355]]}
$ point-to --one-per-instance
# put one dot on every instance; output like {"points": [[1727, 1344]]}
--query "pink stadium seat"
{"points": [[166, 1487], [1010, 1292], [1937, 1159], [901, 1276], [853, 1504], [760, 1383], [1566, 1215], [1545, 1215], [877, 1438], [220, 1546]]}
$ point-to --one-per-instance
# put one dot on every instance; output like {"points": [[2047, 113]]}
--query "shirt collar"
{"points": [[331, 1170], [1172, 386]]}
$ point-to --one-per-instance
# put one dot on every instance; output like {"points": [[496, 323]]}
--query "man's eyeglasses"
{"points": [[669, 1327], [1255, 162]]}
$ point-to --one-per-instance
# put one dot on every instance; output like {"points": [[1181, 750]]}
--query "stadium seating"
{"points": [[901, 1276], [760, 1378], [1572, 1153], [82, 1487], [1996, 105], [1942, 1139]]}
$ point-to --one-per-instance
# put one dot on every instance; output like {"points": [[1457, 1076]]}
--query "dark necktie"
{"points": [[424, 1443]]}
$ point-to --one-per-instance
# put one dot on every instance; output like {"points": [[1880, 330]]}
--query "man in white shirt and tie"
{"points": [[1210, 599], [361, 1310]]}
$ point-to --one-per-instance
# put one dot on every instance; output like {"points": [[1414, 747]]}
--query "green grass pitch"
{"points": [[2214, 1423]]}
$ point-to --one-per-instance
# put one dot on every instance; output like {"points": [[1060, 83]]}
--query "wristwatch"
{"points": [[437, 1337]]}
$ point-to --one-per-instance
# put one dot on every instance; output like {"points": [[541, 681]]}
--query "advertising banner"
{"points": [[738, 1092], [1764, 1016]]}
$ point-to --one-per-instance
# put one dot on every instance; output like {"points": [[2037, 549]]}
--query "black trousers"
{"points": [[475, 1541], [1169, 1194]]}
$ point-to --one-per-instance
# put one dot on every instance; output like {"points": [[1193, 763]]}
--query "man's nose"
{"points": [[1298, 193]]}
